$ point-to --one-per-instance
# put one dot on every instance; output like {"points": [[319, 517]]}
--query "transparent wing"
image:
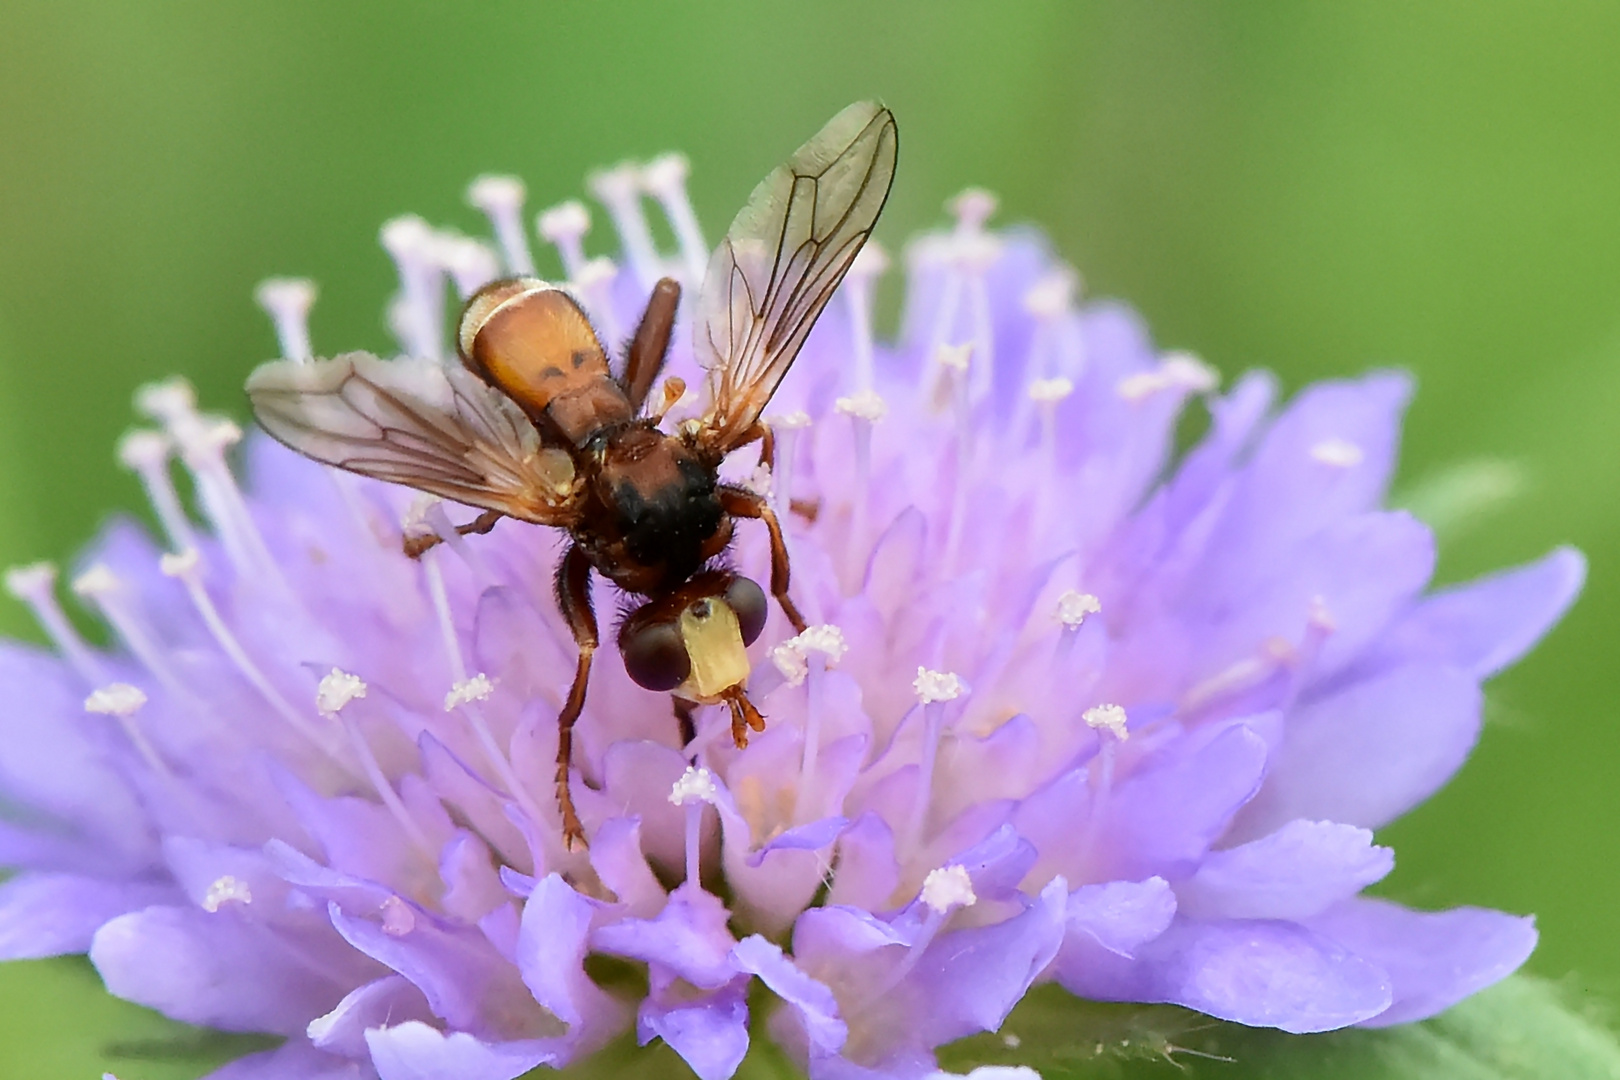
{"points": [[784, 255], [428, 425]]}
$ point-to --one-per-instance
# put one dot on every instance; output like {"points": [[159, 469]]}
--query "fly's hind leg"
{"points": [[745, 504], [574, 599]]}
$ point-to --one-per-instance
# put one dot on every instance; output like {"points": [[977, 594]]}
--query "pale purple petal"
{"points": [[294, 1060], [415, 1051], [709, 1032], [551, 956], [1371, 751], [1260, 973], [392, 999], [52, 914], [1486, 624], [1434, 958], [1297, 871], [215, 969]]}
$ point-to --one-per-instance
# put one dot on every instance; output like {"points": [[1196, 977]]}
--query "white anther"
{"points": [[1073, 607], [1053, 294], [695, 785], [870, 262], [1187, 372], [665, 175], [954, 357], [179, 564], [760, 481], [471, 264], [1179, 371], [948, 887], [795, 420], [96, 581], [476, 688], [866, 405], [792, 657], [115, 699], [287, 301], [406, 237], [501, 200], [597, 271], [31, 581], [564, 227], [173, 401], [1110, 718], [142, 450], [932, 686], [1051, 391], [226, 890], [972, 207], [1339, 453], [337, 688], [397, 917]]}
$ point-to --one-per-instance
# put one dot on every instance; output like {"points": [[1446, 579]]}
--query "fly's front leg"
{"points": [[745, 504], [574, 598], [417, 546]]}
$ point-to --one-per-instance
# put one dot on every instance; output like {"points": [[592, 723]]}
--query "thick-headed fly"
{"points": [[531, 423]]}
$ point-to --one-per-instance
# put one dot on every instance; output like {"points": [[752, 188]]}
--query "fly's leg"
{"points": [[645, 357], [417, 546], [745, 504], [574, 599]]}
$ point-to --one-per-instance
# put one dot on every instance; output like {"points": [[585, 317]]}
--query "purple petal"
{"points": [[812, 1002], [1370, 751], [868, 872], [969, 980], [293, 1060], [1434, 959], [551, 956], [53, 914], [1121, 915], [689, 937], [616, 856], [212, 969], [1164, 818], [1483, 626], [389, 1000], [710, 1033], [1264, 974], [415, 1051], [1105, 925], [466, 981], [1298, 871]]}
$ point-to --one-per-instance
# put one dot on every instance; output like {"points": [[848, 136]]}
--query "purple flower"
{"points": [[1071, 708]]}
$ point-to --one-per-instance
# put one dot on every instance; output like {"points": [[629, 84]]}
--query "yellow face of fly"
{"points": [[714, 643]]}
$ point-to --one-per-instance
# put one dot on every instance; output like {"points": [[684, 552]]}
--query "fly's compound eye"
{"points": [[748, 601], [655, 656]]}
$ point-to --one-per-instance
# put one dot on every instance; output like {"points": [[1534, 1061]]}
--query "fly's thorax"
{"points": [[659, 501]]}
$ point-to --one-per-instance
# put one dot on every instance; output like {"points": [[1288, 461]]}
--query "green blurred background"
{"points": [[1315, 188]]}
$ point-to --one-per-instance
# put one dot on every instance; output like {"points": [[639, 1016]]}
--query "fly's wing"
{"points": [[428, 425], [782, 258]]}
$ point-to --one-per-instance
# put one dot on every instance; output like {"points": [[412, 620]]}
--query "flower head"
{"points": [[1070, 707]]}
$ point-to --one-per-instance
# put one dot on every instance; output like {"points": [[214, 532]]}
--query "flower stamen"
{"points": [[35, 585], [619, 190], [664, 178], [417, 314], [287, 301], [501, 200], [564, 227]]}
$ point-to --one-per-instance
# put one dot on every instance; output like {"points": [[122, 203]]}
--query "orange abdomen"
{"points": [[531, 341]]}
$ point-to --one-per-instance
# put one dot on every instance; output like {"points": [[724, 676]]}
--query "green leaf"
{"points": [[1520, 1029]]}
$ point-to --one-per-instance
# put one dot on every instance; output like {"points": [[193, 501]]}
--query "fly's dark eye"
{"points": [[655, 657], [748, 601]]}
